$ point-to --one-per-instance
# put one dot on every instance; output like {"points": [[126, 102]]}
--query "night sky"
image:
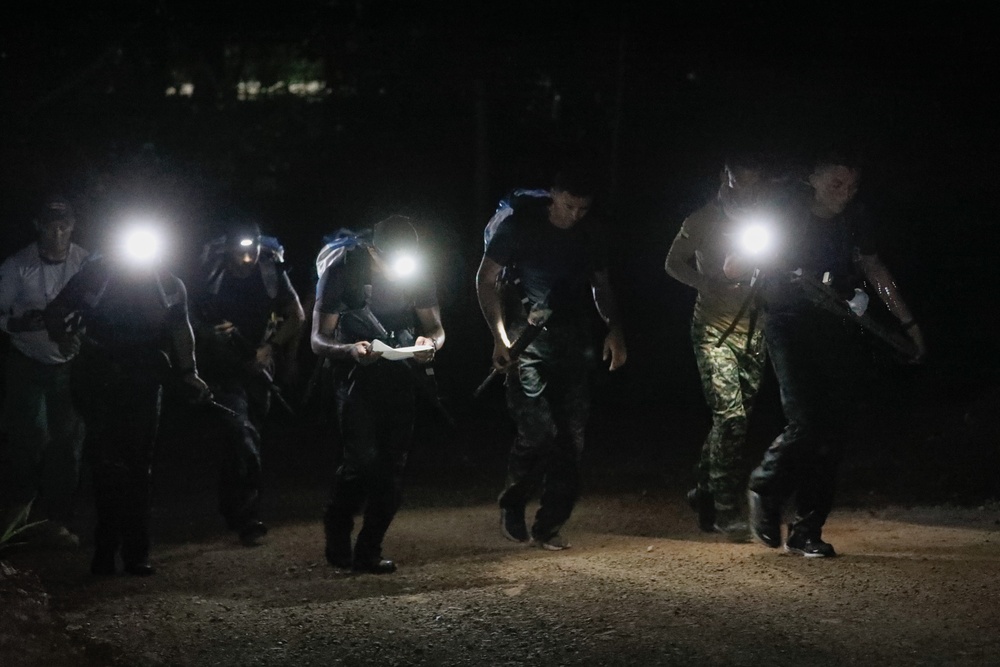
{"points": [[435, 109]]}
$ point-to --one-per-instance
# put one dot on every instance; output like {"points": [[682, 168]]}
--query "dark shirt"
{"points": [[822, 248], [554, 265], [246, 303], [345, 286], [128, 316]]}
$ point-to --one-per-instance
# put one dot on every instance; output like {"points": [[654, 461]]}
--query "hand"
{"points": [[614, 349], [501, 356], [426, 356], [225, 330], [363, 353], [264, 358], [197, 386], [69, 346]]}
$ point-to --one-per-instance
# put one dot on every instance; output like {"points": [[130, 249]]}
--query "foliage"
{"points": [[16, 526]]}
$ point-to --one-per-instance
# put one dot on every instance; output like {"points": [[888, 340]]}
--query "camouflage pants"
{"points": [[730, 377]]}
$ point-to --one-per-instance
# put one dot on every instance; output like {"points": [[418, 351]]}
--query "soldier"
{"points": [[371, 295], [728, 341], [555, 252], [815, 355], [138, 336], [45, 434], [247, 318]]}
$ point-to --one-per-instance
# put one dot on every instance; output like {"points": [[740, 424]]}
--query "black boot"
{"points": [[765, 518], [702, 502], [374, 564]]}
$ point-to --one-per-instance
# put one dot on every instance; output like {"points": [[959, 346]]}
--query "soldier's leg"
{"points": [[528, 457], [140, 435], [349, 489], [386, 490], [25, 420], [561, 480], [239, 467], [62, 460]]}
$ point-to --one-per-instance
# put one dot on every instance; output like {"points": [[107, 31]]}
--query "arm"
{"points": [[607, 308], [182, 339], [432, 333], [490, 304], [885, 287], [324, 344], [9, 287], [287, 334]]}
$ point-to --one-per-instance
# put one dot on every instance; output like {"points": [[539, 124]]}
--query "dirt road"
{"points": [[913, 585]]}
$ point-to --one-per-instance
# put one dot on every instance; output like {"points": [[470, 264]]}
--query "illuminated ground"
{"points": [[914, 585]]}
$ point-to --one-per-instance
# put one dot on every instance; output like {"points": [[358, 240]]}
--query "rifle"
{"points": [[824, 296], [536, 323], [249, 350]]}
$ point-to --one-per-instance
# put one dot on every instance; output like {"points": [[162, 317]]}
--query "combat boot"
{"points": [[765, 519], [732, 524], [702, 502]]}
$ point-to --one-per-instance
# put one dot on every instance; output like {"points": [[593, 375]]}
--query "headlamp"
{"points": [[141, 246], [402, 264], [756, 238], [246, 242]]}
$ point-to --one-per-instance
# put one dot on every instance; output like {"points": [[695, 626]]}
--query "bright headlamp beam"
{"points": [[756, 239], [141, 245], [404, 265], [246, 243]]}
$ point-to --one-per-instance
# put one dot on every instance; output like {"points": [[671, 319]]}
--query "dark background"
{"points": [[435, 109]]}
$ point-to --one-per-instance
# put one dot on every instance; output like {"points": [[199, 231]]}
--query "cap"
{"points": [[394, 233], [55, 207]]}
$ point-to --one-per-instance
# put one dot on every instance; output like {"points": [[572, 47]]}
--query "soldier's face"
{"points": [[241, 255], [566, 210], [835, 187], [54, 236]]}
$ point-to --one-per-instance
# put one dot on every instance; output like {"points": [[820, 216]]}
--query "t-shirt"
{"points": [[825, 249], [554, 265], [246, 303], [707, 236], [353, 283], [128, 316], [28, 282]]}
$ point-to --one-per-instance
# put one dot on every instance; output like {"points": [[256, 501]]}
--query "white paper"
{"points": [[397, 353]]}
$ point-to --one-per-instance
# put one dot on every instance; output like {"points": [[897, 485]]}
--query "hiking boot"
{"points": [[703, 503], [374, 564], [554, 543], [765, 519], [809, 545], [512, 524], [732, 525]]}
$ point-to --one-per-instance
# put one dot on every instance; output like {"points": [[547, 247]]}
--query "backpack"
{"points": [[506, 207], [336, 246]]}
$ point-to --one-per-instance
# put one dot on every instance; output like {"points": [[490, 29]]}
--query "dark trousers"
{"points": [[239, 455], [546, 452], [123, 414], [42, 454], [376, 410], [816, 362]]}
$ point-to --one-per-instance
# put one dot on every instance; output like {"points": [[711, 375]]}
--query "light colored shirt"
{"points": [[27, 282], [706, 237]]}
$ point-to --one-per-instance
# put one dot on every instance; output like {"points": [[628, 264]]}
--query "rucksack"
{"points": [[506, 207]]}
